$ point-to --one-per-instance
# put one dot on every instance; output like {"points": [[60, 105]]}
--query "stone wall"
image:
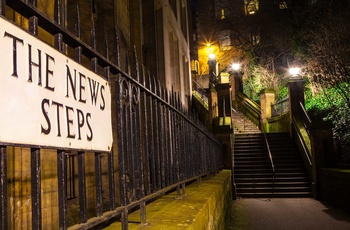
{"points": [[206, 205], [334, 187]]}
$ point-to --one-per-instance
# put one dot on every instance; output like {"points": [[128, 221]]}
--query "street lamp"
{"points": [[235, 66], [237, 77], [211, 56], [212, 70], [294, 72]]}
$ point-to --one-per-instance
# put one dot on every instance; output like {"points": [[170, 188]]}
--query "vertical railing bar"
{"points": [[130, 148], [146, 143], [62, 196], [77, 30], [156, 158], [111, 184], [137, 150], [106, 43], [78, 54], [121, 141], [143, 213], [2, 7], [169, 147], [117, 46], [68, 163], [135, 72], [177, 140], [124, 219], [77, 21], [156, 144], [167, 139], [33, 25], [58, 38], [36, 189], [93, 34], [58, 12], [161, 132], [3, 188], [127, 63], [59, 42], [121, 149], [94, 62], [151, 140], [98, 184], [82, 187]]}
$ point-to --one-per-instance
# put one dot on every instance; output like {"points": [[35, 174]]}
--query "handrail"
{"points": [[271, 160], [280, 107], [241, 116], [268, 151], [252, 108], [305, 117], [302, 142], [251, 104]]}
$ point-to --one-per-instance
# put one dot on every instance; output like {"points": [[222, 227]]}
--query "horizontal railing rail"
{"points": [[158, 145], [305, 122], [280, 107], [250, 108]]}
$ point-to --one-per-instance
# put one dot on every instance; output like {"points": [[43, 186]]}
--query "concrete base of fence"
{"points": [[205, 206]]}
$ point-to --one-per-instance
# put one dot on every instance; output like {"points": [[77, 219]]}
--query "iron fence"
{"points": [[158, 145], [280, 107]]}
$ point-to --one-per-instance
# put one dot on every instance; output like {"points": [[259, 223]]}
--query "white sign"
{"points": [[48, 99]]}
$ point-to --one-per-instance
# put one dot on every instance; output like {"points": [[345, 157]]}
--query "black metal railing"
{"points": [[249, 108], [158, 145], [280, 107], [301, 122]]}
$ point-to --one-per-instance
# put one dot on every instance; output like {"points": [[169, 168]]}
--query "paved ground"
{"points": [[286, 214]]}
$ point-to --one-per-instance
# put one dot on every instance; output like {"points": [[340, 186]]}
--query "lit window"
{"points": [[222, 14], [283, 5], [251, 6], [225, 40]]}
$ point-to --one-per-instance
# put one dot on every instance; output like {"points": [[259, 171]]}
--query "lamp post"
{"points": [[294, 72], [212, 70], [296, 91], [237, 77]]}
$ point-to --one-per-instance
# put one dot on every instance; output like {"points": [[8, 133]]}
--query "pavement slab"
{"points": [[286, 214]]}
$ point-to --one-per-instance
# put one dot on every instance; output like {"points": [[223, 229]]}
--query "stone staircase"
{"points": [[253, 172], [242, 125]]}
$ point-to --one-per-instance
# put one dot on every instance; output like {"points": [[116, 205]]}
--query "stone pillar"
{"points": [[321, 148], [213, 106], [236, 86], [267, 97], [212, 72]]}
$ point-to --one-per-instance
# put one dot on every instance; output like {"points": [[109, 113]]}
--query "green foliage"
{"points": [[330, 105], [341, 121], [282, 92], [252, 87]]}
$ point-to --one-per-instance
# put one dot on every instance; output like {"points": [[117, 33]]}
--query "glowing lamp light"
{"points": [[235, 66], [294, 71], [212, 56]]}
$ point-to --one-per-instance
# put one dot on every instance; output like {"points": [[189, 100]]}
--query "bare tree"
{"points": [[328, 46]]}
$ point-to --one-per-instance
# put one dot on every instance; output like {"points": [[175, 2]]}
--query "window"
{"points": [[283, 5], [225, 40], [251, 6]]}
